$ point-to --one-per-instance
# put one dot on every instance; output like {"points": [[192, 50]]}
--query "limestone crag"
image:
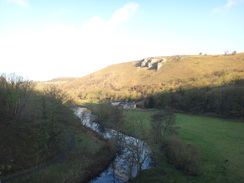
{"points": [[153, 63]]}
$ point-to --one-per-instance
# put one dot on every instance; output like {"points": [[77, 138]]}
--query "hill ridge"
{"points": [[137, 78]]}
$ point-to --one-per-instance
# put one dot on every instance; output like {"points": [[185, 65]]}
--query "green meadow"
{"points": [[220, 142]]}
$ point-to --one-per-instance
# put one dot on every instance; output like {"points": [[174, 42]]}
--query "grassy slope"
{"points": [[218, 140], [57, 81], [83, 162], [125, 75]]}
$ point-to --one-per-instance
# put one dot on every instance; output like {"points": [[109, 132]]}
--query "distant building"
{"points": [[131, 105], [124, 105], [115, 103]]}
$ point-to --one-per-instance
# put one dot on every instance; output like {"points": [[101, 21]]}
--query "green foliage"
{"points": [[41, 130], [14, 92], [150, 103], [226, 100], [130, 99], [32, 123], [107, 115], [102, 110]]}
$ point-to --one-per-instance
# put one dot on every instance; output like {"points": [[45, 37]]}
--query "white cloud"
{"points": [[124, 13], [22, 3], [227, 5], [98, 24], [65, 50]]}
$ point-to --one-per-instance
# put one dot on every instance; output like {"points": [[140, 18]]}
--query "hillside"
{"points": [[56, 81], [137, 79], [62, 79]]}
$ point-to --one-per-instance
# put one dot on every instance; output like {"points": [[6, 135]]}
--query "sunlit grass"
{"points": [[219, 140], [116, 81]]}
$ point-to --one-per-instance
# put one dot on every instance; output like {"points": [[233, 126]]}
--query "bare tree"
{"points": [[162, 123], [137, 149]]}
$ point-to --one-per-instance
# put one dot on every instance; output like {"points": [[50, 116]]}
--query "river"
{"points": [[132, 155]]}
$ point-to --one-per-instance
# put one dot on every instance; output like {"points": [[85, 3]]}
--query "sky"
{"points": [[46, 39]]}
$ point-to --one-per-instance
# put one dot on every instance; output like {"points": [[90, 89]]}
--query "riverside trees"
{"points": [[14, 92], [32, 123], [162, 124]]}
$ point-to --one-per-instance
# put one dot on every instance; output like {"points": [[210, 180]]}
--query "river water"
{"points": [[131, 156]]}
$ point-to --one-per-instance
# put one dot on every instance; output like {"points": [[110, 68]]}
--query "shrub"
{"points": [[185, 157]]}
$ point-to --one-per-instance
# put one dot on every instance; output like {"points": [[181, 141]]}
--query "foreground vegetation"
{"points": [[37, 127], [194, 149], [87, 159]]}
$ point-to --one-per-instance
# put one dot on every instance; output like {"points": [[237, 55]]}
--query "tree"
{"points": [[138, 150], [226, 52], [234, 52], [116, 117], [164, 99], [150, 103], [14, 93], [130, 98], [162, 123], [101, 111]]}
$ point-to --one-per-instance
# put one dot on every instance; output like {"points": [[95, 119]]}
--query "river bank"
{"points": [[132, 154], [90, 155]]}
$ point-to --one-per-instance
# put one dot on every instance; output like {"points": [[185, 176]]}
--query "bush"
{"points": [[185, 157], [107, 115]]}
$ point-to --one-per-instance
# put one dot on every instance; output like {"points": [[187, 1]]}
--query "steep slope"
{"points": [[177, 69]]}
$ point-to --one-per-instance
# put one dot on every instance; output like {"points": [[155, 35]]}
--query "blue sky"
{"points": [[45, 39]]}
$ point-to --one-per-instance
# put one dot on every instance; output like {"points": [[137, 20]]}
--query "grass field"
{"points": [[221, 145]]}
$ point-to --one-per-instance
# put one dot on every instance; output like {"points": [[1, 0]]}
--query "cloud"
{"points": [[99, 32], [227, 5], [22, 3], [98, 24], [66, 50], [124, 13]]}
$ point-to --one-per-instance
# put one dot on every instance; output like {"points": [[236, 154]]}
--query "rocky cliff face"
{"points": [[154, 63]]}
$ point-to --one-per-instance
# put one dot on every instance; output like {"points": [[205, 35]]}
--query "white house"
{"points": [[124, 105]]}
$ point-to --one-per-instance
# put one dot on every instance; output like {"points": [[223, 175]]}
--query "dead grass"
{"points": [[119, 78]]}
